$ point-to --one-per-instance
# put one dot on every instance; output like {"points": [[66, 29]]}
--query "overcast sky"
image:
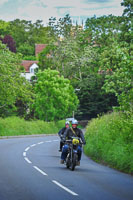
{"points": [[33, 10]]}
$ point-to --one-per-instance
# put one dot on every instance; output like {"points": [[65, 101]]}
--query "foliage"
{"points": [[120, 81], [46, 56], [18, 126], [109, 140], [26, 49], [10, 43], [12, 86], [4, 28], [128, 10], [100, 29], [55, 98], [60, 28], [126, 30], [79, 53], [93, 99], [67, 54], [26, 35], [30, 58]]}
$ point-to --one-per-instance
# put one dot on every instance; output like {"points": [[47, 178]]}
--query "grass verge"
{"points": [[110, 140], [14, 126]]}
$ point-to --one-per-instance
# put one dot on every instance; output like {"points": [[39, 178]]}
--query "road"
{"points": [[30, 169]]}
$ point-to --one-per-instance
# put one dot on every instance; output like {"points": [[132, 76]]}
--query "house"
{"points": [[31, 65], [39, 48]]}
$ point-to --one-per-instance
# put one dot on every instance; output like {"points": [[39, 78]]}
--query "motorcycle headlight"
{"points": [[75, 141]]}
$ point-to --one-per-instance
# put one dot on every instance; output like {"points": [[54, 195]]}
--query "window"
{"points": [[32, 70]]}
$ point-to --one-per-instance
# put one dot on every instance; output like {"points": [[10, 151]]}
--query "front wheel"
{"points": [[68, 162]]}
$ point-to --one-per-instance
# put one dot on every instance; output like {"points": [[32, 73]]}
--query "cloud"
{"points": [[3, 1], [44, 9]]}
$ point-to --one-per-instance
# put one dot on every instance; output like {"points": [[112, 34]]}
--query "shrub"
{"points": [[109, 140], [19, 126]]}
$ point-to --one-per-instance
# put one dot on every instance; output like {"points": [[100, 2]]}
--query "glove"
{"points": [[63, 140]]}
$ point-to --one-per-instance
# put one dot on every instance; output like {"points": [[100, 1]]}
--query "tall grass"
{"points": [[18, 126], [110, 140]]}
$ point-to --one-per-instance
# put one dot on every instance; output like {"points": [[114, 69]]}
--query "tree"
{"points": [[119, 81], [129, 6], [4, 28], [126, 29], [64, 25], [8, 40], [99, 30], [54, 96], [61, 28], [72, 57], [13, 87], [26, 35], [93, 99]]}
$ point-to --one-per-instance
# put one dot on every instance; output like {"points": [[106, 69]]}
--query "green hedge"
{"points": [[18, 126], [110, 140]]}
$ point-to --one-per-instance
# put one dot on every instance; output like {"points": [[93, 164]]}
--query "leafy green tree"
{"points": [[61, 28], [119, 81], [126, 29], [99, 30], [26, 35], [26, 49], [4, 28], [54, 96], [128, 4], [64, 25], [13, 87], [46, 57], [72, 57], [93, 99]]}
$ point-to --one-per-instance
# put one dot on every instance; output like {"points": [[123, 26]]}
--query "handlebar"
{"points": [[70, 140]]}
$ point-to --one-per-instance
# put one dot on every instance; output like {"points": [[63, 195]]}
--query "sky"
{"points": [[79, 10]]}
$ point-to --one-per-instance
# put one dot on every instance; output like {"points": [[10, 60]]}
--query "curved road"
{"points": [[30, 169]]}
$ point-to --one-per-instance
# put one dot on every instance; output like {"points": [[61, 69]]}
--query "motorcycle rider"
{"points": [[70, 132], [61, 132]]}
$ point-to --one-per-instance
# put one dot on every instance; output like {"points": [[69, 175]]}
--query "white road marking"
{"points": [[65, 188], [27, 148], [33, 145], [43, 173], [40, 142], [24, 153], [27, 160]]}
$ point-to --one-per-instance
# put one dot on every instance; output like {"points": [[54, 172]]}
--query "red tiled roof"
{"points": [[27, 64], [39, 48]]}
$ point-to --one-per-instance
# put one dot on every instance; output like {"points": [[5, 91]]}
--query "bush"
{"points": [[109, 140], [18, 126]]}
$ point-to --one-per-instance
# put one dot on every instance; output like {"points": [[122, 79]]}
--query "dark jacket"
{"points": [[70, 132], [61, 132]]}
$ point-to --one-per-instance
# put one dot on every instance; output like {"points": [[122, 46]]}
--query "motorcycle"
{"points": [[72, 156]]}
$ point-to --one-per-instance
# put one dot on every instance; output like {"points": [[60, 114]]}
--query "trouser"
{"points": [[61, 145], [65, 151]]}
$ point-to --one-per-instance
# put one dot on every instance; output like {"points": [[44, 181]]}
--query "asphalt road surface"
{"points": [[30, 169]]}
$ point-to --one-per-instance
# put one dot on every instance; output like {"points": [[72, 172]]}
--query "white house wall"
{"points": [[31, 73]]}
